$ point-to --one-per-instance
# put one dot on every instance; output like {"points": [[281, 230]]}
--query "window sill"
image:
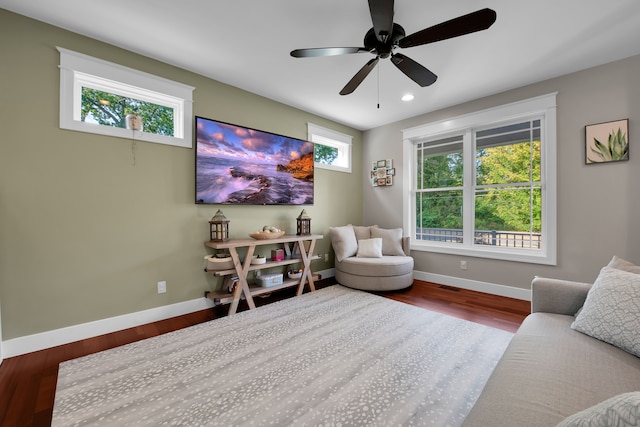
{"points": [[123, 133], [504, 254], [332, 167]]}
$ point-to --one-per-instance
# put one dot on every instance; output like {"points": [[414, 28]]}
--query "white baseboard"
{"points": [[474, 285], [40, 341], [325, 274]]}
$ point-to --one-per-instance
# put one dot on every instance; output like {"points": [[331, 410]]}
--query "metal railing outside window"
{"points": [[510, 239]]}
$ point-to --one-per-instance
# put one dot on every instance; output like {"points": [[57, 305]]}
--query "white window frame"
{"points": [[543, 107], [78, 70], [331, 138]]}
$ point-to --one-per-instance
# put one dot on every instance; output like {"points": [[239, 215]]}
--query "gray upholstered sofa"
{"points": [[552, 373], [371, 258]]}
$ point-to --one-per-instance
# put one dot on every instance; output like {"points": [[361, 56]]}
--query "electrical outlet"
{"points": [[162, 287], [326, 257], [463, 265]]}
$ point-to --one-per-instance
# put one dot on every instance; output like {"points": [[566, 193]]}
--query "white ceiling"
{"points": [[246, 43]]}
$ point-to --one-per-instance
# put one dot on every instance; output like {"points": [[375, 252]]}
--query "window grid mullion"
{"points": [[468, 194]]}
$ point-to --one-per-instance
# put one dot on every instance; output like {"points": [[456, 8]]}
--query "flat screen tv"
{"points": [[240, 165]]}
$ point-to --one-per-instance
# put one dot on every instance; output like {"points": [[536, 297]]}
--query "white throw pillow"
{"points": [[391, 240], [370, 248], [620, 411], [621, 264], [343, 240], [610, 311]]}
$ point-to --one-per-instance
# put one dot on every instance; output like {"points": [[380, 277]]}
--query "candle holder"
{"points": [[219, 227], [304, 224]]}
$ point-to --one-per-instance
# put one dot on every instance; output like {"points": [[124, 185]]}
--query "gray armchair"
{"points": [[372, 258]]}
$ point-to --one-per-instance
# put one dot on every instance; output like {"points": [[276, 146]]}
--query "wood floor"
{"points": [[28, 382]]}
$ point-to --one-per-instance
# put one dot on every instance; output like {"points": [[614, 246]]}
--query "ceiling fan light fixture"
{"points": [[407, 97]]}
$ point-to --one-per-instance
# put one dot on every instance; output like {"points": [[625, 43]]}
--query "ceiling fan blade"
{"points": [[326, 51], [413, 70], [359, 77], [466, 24], [382, 17]]}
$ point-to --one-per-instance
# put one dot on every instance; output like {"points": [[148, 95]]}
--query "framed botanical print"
{"points": [[607, 142]]}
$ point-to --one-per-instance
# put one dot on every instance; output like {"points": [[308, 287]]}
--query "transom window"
{"points": [[487, 186], [332, 150], [97, 96], [111, 106]]}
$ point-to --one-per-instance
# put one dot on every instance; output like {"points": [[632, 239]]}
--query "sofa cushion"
{"points": [[387, 266], [610, 312], [370, 248], [391, 240], [621, 264], [374, 283], [621, 410], [343, 240], [363, 231]]}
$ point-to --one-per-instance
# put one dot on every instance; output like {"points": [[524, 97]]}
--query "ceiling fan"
{"points": [[386, 36]]}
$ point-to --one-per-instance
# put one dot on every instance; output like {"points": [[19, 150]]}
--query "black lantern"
{"points": [[304, 224], [219, 227]]}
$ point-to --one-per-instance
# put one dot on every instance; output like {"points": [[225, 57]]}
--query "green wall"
{"points": [[85, 233]]}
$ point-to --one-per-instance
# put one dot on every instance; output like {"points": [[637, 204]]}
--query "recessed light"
{"points": [[408, 97]]}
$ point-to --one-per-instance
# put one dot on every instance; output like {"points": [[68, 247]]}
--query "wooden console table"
{"points": [[301, 245]]}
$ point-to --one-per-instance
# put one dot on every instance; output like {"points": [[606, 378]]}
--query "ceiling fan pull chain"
{"points": [[378, 88]]}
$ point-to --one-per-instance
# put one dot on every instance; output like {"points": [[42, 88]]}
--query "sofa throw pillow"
{"points": [[343, 240], [370, 248], [610, 311], [621, 264], [621, 411], [363, 232], [391, 240]]}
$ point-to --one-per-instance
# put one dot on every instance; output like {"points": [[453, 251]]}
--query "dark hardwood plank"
{"points": [[28, 382], [491, 310]]}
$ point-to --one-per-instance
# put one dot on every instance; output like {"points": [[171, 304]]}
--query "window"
{"points": [[332, 149], [96, 96], [484, 184], [110, 108]]}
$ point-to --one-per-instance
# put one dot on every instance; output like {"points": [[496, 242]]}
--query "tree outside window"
{"points": [[508, 192], [439, 195], [324, 154], [111, 110]]}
